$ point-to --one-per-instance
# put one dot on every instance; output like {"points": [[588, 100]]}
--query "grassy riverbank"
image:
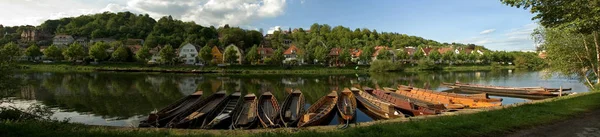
{"points": [[306, 69], [488, 123]]}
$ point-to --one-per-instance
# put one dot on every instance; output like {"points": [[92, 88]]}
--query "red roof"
{"points": [[444, 50], [468, 51], [409, 51], [426, 51], [134, 48], [265, 51], [335, 51], [356, 52], [292, 50], [378, 48]]}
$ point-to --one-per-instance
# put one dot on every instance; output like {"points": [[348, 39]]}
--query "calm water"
{"points": [[123, 99]]}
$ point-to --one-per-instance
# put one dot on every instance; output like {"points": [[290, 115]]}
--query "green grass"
{"points": [[488, 123]]}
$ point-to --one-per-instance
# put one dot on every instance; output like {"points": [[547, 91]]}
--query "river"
{"points": [[123, 99]]}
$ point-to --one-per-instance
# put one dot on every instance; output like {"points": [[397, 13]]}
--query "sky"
{"points": [[483, 22]]}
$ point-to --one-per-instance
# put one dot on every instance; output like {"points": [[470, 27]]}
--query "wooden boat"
{"points": [[321, 112], [479, 97], [447, 100], [267, 110], [166, 114], [346, 105], [292, 108], [406, 105], [220, 117], [194, 117], [375, 106], [245, 116], [499, 90]]}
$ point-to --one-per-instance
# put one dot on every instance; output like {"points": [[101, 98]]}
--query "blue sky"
{"points": [[482, 22]]}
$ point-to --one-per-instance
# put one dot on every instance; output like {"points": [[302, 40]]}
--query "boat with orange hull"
{"points": [[499, 90], [321, 112], [346, 105], [376, 107], [449, 101], [267, 110], [292, 108], [406, 105]]}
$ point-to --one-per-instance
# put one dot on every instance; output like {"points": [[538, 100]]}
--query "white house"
{"points": [[188, 53], [63, 40], [292, 54]]}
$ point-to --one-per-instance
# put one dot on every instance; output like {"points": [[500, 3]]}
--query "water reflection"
{"points": [[121, 99]]}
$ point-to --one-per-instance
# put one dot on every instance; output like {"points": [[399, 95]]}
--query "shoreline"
{"points": [[306, 69]]}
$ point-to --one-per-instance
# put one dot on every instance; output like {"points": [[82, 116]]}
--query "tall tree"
{"points": [[53, 52], [277, 58], [230, 55], [33, 52], [167, 55], [74, 52], [345, 56], [574, 16], [98, 51], [12, 51], [252, 55], [321, 54], [121, 54], [143, 54], [435, 55], [205, 54], [367, 54]]}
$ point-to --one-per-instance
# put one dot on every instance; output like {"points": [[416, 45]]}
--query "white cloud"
{"points": [[488, 31], [273, 29], [204, 12], [512, 39]]}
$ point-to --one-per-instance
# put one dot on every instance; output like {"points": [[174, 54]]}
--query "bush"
{"points": [[529, 61], [384, 66], [427, 64]]}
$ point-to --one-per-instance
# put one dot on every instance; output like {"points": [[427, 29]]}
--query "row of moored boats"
{"points": [[234, 111]]}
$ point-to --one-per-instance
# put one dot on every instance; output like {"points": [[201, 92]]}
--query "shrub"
{"points": [[384, 66], [427, 64]]}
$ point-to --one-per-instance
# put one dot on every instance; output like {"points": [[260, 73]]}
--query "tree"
{"points": [[402, 56], [252, 55], [367, 54], [231, 55], [345, 56], [33, 52], [206, 54], [167, 55], [11, 50], [98, 51], [384, 55], [448, 56], [321, 54], [121, 54], [435, 55], [74, 52], [143, 54], [277, 58], [579, 17], [53, 52]]}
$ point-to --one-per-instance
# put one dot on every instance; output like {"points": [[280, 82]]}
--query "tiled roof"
{"points": [[292, 49], [335, 51], [444, 50]]}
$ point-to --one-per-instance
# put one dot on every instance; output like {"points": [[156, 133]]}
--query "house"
{"points": [[83, 41], [264, 53], [134, 48], [291, 54], [334, 55], [217, 55], [355, 55], [63, 40], [32, 35], [188, 53], [444, 50], [426, 51], [238, 53]]}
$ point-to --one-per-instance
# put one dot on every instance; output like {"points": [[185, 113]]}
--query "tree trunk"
{"points": [[597, 55], [587, 56]]}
